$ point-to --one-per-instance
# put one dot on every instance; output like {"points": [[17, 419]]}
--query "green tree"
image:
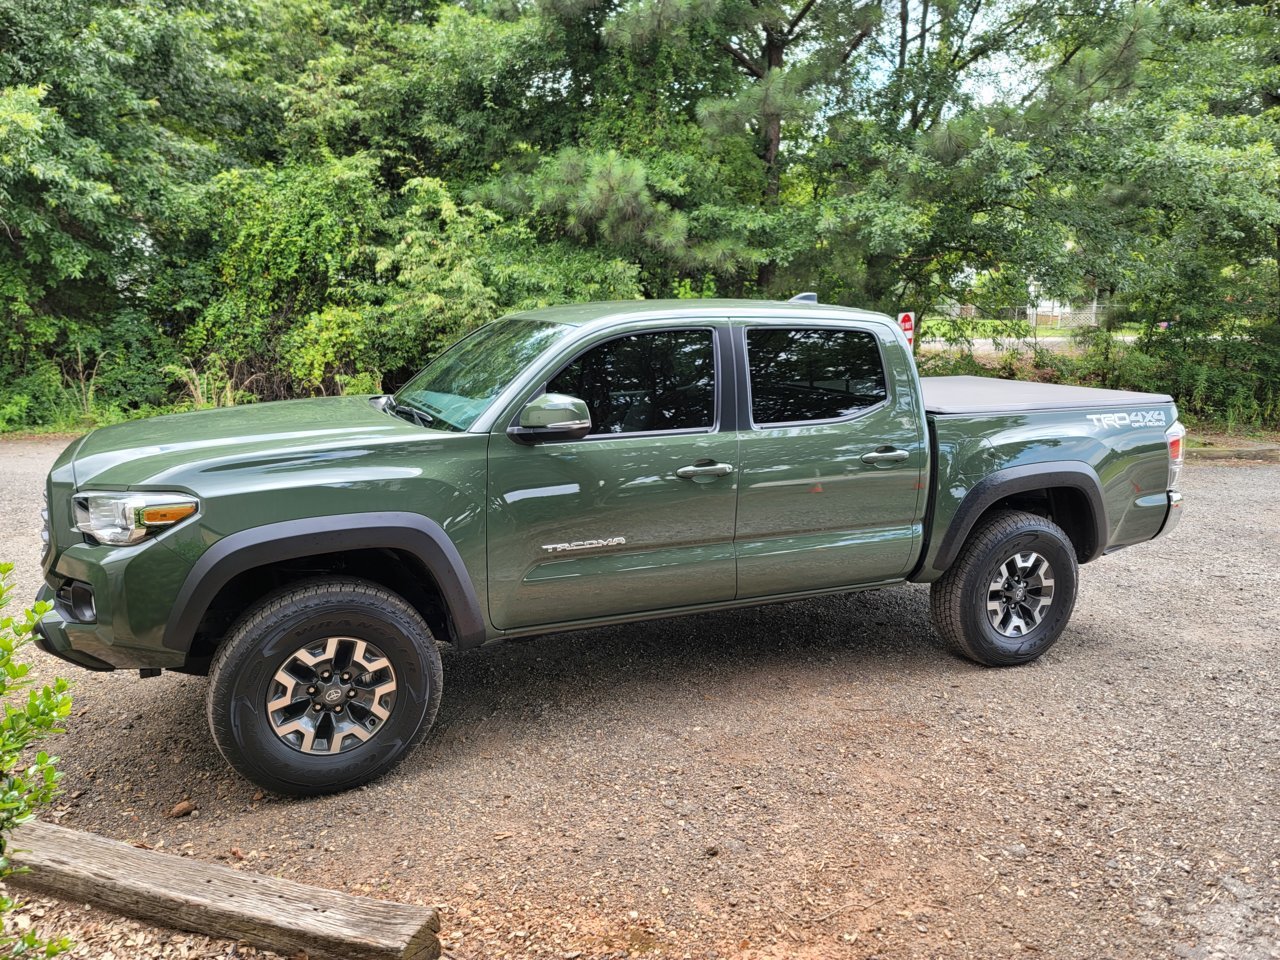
{"points": [[320, 194]]}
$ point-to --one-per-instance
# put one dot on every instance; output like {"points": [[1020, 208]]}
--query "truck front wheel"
{"points": [[1010, 592], [323, 686]]}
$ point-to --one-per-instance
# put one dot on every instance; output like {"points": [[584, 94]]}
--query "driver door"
{"points": [[639, 515]]}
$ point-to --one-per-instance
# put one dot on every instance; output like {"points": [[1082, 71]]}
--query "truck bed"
{"points": [[958, 395]]}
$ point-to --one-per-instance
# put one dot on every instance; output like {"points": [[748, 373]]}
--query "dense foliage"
{"points": [[29, 778], [203, 201]]}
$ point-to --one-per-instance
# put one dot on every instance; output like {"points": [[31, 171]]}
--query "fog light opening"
{"points": [[75, 602]]}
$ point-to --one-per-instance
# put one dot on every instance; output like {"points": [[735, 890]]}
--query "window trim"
{"points": [[717, 386], [749, 406]]}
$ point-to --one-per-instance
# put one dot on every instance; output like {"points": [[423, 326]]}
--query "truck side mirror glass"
{"points": [[552, 416]]}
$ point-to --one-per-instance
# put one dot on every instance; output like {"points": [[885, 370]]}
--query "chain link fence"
{"points": [[1052, 314]]}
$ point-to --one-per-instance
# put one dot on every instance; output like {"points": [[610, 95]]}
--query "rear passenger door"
{"points": [[831, 458]]}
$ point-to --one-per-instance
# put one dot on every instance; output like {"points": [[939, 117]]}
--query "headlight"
{"points": [[123, 518]]}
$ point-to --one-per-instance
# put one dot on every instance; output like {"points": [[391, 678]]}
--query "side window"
{"points": [[813, 374], [647, 381]]}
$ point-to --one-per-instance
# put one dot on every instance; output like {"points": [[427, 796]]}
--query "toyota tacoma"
{"points": [[570, 467]]}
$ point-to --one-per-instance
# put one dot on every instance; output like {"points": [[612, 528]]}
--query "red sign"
{"points": [[907, 321]]}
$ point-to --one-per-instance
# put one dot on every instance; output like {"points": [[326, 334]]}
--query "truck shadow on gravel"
{"points": [[558, 684], [629, 675]]}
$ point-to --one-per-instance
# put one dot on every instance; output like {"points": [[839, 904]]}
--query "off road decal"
{"points": [[1138, 418]]}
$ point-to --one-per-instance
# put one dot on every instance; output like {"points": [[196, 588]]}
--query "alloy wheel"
{"points": [[331, 695], [1020, 594]]}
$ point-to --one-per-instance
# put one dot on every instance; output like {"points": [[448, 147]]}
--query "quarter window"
{"points": [[812, 374], [644, 382]]}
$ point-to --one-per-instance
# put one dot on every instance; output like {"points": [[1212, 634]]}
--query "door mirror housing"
{"points": [[552, 416]]}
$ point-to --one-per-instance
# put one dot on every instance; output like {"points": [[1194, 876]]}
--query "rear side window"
{"points": [[644, 382], [812, 374]]}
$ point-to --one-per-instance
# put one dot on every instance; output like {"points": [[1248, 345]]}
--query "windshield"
{"points": [[457, 386]]}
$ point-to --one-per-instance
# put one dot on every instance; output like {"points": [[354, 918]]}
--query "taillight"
{"points": [[907, 321], [1176, 437]]}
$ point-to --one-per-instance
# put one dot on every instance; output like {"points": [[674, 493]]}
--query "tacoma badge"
{"points": [[584, 545]]}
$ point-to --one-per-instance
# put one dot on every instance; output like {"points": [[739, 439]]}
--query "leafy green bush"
{"points": [[37, 398], [962, 364], [28, 780], [1233, 378], [967, 329]]}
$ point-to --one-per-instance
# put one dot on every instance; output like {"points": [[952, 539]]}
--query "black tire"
{"points": [[336, 614], [960, 598]]}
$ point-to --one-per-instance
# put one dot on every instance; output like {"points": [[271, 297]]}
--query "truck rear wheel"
{"points": [[1010, 592], [323, 686]]}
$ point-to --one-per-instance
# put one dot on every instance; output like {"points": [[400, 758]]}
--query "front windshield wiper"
{"points": [[406, 412]]}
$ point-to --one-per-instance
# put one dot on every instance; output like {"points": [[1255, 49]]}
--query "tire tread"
{"points": [[299, 598], [946, 598]]}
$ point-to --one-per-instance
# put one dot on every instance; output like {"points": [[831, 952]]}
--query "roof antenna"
{"points": [[804, 298]]}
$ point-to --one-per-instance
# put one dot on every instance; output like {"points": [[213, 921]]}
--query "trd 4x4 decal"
{"points": [[1138, 418]]}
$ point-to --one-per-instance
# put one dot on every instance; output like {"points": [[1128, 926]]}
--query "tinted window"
{"points": [[650, 381], [812, 374]]}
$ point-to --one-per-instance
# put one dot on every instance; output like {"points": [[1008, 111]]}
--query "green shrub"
{"points": [[951, 365], [30, 780], [967, 329], [38, 398]]}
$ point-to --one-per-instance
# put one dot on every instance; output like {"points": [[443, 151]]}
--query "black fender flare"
{"points": [[293, 539], [1075, 475]]}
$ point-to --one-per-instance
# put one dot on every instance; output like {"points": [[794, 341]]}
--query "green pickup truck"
{"points": [[570, 467]]}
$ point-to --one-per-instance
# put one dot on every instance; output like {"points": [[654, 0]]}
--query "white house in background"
{"points": [[1061, 313]]}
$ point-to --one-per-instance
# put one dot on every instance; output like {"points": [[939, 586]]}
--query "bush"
{"points": [[29, 781], [37, 398], [1232, 379]]}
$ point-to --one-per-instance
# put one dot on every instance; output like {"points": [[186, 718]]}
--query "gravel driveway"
{"points": [[807, 780]]}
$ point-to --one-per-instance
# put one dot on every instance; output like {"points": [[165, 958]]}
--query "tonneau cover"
{"points": [[944, 395]]}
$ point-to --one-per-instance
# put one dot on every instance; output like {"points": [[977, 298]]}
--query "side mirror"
{"points": [[552, 416]]}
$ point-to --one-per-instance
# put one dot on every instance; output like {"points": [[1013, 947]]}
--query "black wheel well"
{"points": [[396, 570], [1068, 507]]}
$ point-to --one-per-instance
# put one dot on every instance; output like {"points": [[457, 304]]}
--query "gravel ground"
{"points": [[808, 780]]}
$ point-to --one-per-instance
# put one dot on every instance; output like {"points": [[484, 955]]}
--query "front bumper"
{"points": [[51, 636], [113, 606], [95, 647]]}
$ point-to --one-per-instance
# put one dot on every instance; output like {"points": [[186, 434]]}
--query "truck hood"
{"points": [[161, 449]]}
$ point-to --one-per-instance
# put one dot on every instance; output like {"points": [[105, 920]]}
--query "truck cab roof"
{"points": [[580, 314]]}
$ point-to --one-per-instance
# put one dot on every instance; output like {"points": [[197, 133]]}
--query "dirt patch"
{"points": [[98, 935], [812, 779]]}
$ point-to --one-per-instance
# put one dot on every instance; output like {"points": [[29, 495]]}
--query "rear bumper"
{"points": [[1174, 514]]}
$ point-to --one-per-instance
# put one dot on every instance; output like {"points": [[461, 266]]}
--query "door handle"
{"points": [[705, 470], [885, 455]]}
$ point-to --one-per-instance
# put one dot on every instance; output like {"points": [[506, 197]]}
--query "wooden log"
{"points": [[1269, 453], [211, 899]]}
